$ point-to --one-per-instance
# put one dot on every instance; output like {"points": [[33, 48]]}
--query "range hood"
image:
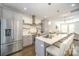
{"points": [[33, 21]]}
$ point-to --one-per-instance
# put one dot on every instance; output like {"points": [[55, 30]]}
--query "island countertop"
{"points": [[53, 39]]}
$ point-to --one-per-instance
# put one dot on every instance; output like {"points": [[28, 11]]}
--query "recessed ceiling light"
{"points": [[73, 5], [49, 3], [25, 8]]}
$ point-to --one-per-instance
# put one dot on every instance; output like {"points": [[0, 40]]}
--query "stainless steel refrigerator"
{"points": [[9, 37]]}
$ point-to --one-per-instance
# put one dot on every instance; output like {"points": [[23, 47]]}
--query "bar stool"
{"points": [[64, 47]]}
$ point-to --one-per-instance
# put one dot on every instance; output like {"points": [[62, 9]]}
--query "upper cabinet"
{"points": [[8, 17], [27, 20]]}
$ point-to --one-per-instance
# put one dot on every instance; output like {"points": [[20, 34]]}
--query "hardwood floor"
{"points": [[27, 51]]}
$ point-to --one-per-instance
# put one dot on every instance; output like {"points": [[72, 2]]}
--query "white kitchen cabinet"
{"points": [[27, 40], [17, 45], [39, 48], [18, 26], [27, 19]]}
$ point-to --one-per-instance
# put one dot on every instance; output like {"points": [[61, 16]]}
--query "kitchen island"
{"points": [[41, 43]]}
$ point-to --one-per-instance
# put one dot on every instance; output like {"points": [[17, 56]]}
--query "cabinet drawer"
{"points": [[10, 48], [7, 48], [27, 40]]}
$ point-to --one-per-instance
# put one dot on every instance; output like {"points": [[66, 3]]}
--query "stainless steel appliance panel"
{"points": [[11, 47], [5, 26], [7, 49]]}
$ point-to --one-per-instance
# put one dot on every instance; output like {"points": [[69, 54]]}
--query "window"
{"points": [[64, 28], [71, 28]]}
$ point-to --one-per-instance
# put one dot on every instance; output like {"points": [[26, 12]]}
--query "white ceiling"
{"points": [[43, 9]]}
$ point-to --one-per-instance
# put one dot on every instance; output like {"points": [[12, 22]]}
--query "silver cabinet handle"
{"points": [[10, 45]]}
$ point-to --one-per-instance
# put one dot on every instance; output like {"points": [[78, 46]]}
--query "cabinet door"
{"points": [[18, 26], [27, 40], [39, 48], [18, 45], [7, 49]]}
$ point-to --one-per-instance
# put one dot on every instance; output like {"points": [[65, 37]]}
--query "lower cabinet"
{"points": [[18, 45], [27, 40], [11, 47], [39, 48]]}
